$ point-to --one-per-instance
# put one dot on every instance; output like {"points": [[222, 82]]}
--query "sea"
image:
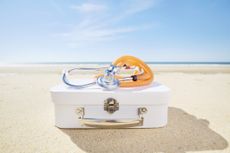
{"points": [[157, 63]]}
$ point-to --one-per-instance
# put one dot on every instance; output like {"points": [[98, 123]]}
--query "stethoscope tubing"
{"points": [[80, 86]]}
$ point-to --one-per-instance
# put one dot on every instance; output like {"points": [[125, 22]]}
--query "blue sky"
{"points": [[102, 30]]}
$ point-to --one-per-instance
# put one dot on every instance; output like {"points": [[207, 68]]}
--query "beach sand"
{"points": [[199, 115]]}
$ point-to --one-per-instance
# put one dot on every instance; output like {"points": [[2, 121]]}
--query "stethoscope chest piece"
{"points": [[109, 85], [108, 80]]}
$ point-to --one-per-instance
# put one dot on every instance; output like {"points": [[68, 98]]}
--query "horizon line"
{"points": [[106, 62]]}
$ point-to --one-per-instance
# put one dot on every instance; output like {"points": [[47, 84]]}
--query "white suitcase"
{"points": [[142, 107]]}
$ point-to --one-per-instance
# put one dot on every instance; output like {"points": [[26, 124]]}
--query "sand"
{"points": [[199, 115]]}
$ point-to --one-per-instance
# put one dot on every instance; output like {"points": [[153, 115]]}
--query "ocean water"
{"points": [[157, 63]]}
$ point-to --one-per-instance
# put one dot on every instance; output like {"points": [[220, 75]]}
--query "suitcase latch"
{"points": [[111, 105]]}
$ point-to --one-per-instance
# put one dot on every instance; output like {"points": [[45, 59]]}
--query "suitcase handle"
{"points": [[102, 123]]}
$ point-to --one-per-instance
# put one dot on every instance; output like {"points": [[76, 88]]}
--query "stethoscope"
{"points": [[112, 78]]}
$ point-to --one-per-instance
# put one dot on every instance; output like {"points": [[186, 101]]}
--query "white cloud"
{"points": [[83, 36], [89, 7], [105, 26], [91, 34]]}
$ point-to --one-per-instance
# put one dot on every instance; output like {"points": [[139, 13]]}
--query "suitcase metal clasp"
{"points": [[111, 105]]}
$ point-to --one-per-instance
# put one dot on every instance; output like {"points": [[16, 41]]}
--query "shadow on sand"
{"points": [[184, 132]]}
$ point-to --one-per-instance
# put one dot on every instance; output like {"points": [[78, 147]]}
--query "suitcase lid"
{"points": [[153, 94]]}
